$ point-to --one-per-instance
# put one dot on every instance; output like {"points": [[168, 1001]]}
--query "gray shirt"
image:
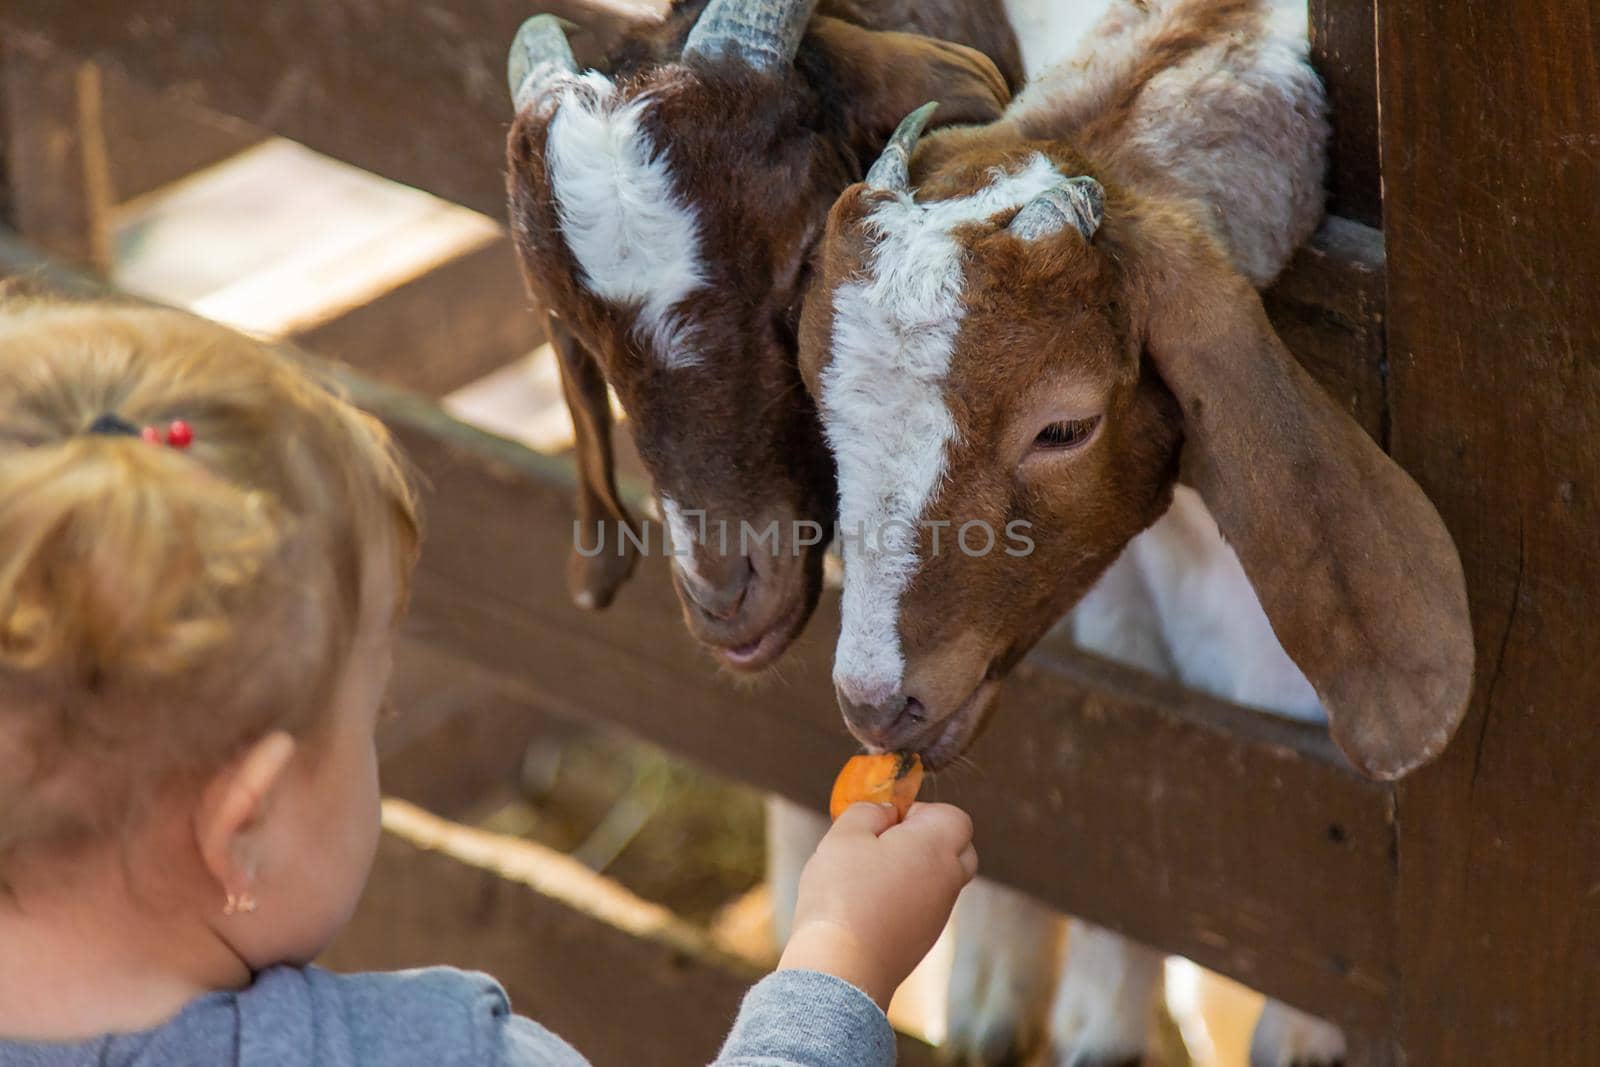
{"points": [[440, 1017]]}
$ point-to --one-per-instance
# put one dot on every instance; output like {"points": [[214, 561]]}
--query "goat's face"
{"points": [[666, 221], [668, 218], [998, 436], [1012, 353]]}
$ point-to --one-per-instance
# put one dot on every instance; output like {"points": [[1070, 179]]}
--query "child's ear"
{"points": [[233, 808]]}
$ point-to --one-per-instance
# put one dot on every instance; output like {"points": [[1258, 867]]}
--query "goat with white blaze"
{"points": [[1053, 321]]}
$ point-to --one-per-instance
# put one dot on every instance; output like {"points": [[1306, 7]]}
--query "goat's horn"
{"points": [[764, 33], [892, 171], [1077, 202], [539, 52]]}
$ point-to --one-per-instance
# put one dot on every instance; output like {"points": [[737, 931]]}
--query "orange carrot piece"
{"points": [[892, 778]]}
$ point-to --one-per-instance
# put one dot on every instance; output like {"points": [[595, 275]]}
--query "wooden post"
{"points": [[1491, 143], [58, 181], [1345, 54]]}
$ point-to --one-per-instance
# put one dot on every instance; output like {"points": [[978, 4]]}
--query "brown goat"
{"points": [[1050, 385], [1023, 343]]}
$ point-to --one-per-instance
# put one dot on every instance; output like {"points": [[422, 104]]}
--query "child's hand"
{"points": [[876, 895]]}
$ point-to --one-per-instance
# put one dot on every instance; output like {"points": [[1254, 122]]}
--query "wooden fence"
{"points": [[1452, 919]]}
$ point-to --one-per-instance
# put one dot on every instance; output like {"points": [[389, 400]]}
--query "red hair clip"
{"points": [[179, 435]]}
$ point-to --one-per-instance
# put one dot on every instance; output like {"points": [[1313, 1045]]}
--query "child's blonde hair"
{"points": [[159, 607]]}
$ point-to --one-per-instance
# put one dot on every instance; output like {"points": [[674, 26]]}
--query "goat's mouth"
{"points": [[760, 652], [952, 736]]}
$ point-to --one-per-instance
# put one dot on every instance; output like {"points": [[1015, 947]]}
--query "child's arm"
{"points": [[872, 902]]}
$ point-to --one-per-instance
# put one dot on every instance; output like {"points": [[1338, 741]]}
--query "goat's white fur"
{"points": [[1216, 634], [1107, 997], [1007, 953], [1245, 102], [636, 241], [682, 538], [1286, 1037], [1049, 31], [888, 423]]}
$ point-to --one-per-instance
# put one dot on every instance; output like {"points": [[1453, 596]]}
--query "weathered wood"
{"points": [[58, 182], [458, 735], [1236, 839], [155, 138], [621, 979], [411, 89], [1492, 151], [1328, 308], [7, 215], [1344, 51], [460, 321]]}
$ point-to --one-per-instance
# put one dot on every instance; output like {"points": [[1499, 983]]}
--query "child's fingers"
{"points": [[864, 818], [948, 823], [969, 862]]}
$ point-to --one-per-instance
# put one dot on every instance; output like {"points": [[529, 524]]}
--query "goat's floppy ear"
{"points": [[883, 76], [1352, 563], [593, 578]]}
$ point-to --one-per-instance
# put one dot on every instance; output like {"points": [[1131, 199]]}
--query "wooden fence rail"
{"points": [[413, 90]]}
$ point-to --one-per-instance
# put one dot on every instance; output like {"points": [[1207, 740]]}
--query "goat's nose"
{"points": [[877, 714], [716, 584]]}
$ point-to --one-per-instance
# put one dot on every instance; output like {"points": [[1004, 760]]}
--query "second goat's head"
{"points": [[1012, 365]]}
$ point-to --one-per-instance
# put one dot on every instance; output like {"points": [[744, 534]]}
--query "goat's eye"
{"points": [[1066, 435]]}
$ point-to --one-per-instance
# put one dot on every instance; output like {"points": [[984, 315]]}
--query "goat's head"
{"points": [[668, 218], [1021, 352]]}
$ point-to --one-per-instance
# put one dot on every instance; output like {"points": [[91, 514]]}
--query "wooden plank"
{"points": [[59, 192], [1233, 838], [1328, 308], [451, 326], [621, 979], [410, 89], [155, 138], [1344, 51], [458, 734], [7, 214], [1491, 113]]}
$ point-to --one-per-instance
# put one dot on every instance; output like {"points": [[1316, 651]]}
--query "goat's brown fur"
{"points": [[1152, 327]]}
